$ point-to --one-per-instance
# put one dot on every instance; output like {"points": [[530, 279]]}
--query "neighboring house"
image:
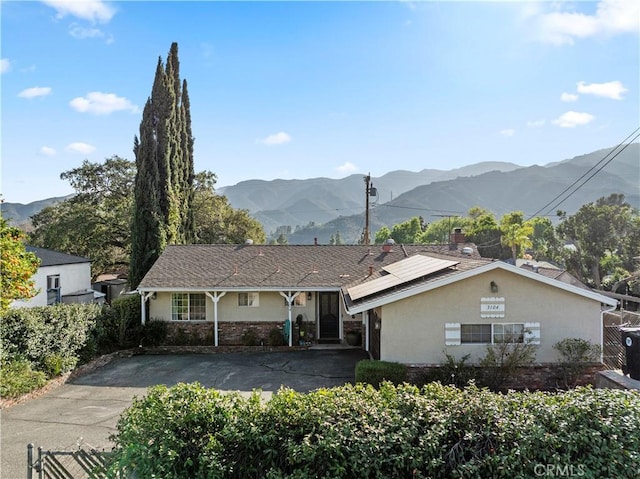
{"points": [[410, 302], [61, 278]]}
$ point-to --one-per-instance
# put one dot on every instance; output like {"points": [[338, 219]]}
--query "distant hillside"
{"points": [[320, 207], [18, 214], [524, 189], [319, 200]]}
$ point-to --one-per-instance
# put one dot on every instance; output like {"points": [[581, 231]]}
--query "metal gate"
{"points": [[79, 464], [613, 354]]}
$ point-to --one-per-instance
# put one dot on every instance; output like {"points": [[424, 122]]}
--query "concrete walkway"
{"points": [[84, 412]]}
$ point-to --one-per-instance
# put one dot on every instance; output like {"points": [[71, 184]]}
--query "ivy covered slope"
{"points": [[395, 432]]}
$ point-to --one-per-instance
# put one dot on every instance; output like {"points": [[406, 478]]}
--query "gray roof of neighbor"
{"points": [[310, 267], [48, 257]]}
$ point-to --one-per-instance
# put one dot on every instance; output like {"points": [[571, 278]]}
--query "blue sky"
{"points": [[308, 89]]}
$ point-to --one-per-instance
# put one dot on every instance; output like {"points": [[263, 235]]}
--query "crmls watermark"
{"points": [[559, 470]]}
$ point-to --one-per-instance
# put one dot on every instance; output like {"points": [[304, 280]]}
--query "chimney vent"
{"points": [[370, 270], [248, 241], [387, 247]]}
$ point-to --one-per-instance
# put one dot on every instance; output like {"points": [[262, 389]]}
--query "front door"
{"points": [[329, 314]]}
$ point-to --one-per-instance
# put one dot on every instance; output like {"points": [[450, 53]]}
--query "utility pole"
{"points": [[369, 190]]}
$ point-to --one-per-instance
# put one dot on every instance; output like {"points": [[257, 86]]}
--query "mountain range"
{"points": [[318, 208]]}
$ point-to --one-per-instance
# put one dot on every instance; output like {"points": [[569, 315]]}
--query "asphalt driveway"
{"points": [[85, 410]]}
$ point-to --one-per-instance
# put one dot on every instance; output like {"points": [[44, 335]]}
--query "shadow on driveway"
{"points": [[84, 411], [300, 370]]}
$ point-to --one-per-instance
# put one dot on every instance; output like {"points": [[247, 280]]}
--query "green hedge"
{"points": [[50, 337], [395, 432], [375, 372]]}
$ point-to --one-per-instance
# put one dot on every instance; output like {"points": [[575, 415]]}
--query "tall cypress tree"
{"points": [[164, 179]]}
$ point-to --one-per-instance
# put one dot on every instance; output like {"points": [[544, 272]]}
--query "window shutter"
{"points": [[452, 334], [532, 333]]}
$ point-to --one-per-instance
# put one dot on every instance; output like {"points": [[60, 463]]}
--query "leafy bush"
{"points": [[19, 378], [42, 333], [154, 333], [502, 360], [576, 354], [454, 371], [275, 337], [395, 432], [120, 325], [375, 372], [250, 338]]}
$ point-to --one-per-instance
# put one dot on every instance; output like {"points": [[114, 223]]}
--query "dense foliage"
{"points": [[44, 342], [395, 432], [51, 338], [17, 267], [598, 245], [95, 223], [376, 372], [163, 191]]}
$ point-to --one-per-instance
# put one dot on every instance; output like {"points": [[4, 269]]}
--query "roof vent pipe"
{"points": [[370, 270], [387, 247], [248, 241]]}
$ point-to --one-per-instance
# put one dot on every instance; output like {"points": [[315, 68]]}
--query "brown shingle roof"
{"points": [[263, 267]]}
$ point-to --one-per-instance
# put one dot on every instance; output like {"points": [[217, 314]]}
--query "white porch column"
{"points": [[143, 310], [215, 297], [290, 297], [365, 320]]}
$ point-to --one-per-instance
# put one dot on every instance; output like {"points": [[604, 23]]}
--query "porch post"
{"points": [[143, 301], [215, 297], [143, 310], [290, 297], [365, 320]]}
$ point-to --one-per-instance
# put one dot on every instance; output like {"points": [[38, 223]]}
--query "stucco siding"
{"points": [[413, 329], [73, 277], [271, 308]]}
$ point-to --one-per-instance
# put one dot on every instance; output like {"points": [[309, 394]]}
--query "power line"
{"points": [[598, 167]]}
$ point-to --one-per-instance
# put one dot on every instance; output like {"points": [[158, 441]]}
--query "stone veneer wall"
{"points": [[230, 333], [540, 377]]}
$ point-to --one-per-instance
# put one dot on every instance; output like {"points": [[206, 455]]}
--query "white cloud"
{"points": [[569, 97], [612, 89], [100, 103], [78, 31], [5, 65], [276, 139], [611, 17], [91, 10], [47, 151], [536, 123], [572, 119], [79, 147], [34, 92], [508, 132], [347, 168]]}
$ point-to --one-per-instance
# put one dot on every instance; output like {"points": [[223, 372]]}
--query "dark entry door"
{"points": [[329, 315]]}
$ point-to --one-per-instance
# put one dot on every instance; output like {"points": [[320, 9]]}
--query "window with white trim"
{"points": [[491, 333], [188, 307], [249, 299], [53, 289]]}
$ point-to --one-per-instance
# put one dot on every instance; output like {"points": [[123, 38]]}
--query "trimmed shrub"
{"points": [[19, 378], [375, 372], [50, 337], [250, 338], [275, 337], [395, 432]]}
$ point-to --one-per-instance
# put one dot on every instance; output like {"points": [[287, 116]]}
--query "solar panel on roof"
{"points": [[401, 272]]}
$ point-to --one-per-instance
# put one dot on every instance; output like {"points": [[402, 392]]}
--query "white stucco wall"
{"points": [[271, 308], [73, 277], [413, 330]]}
